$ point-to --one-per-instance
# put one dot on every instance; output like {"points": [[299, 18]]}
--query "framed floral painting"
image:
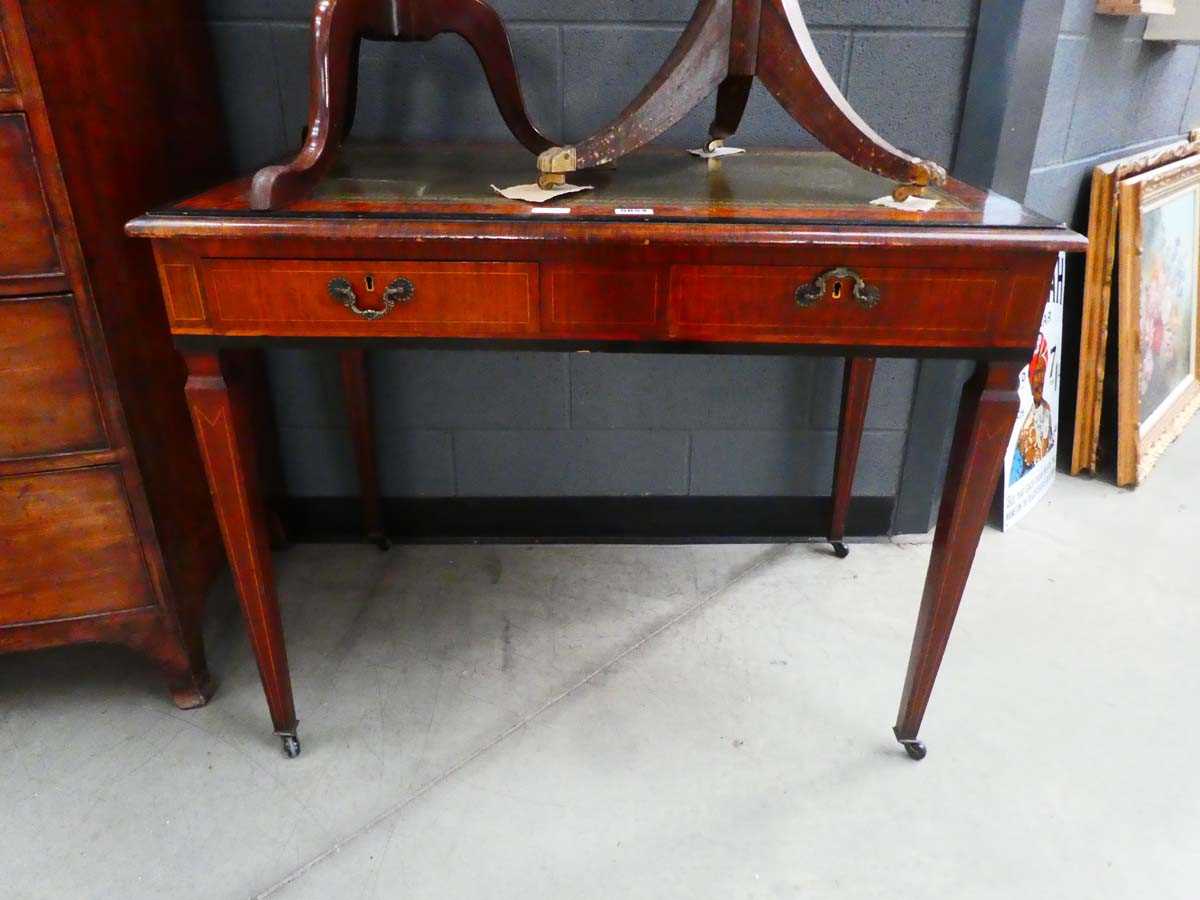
{"points": [[1099, 286], [1159, 321]]}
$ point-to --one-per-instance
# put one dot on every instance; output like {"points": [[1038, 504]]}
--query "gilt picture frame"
{"points": [[1159, 314], [1098, 289]]}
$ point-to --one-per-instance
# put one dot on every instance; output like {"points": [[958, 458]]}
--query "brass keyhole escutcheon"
{"points": [[832, 283], [401, 290]]}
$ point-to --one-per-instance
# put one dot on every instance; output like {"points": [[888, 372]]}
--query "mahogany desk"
{"points": [[775, 252]]}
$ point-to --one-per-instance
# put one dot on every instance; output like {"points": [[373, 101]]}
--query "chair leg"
{"points": [[732, 97], [856, 395], [357, 387]]}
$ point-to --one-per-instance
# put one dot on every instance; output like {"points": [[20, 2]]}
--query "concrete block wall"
{"points": [[1110, 94], [530, 424]]}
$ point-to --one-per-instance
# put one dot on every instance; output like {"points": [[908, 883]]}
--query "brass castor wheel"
{"points": [[840, 550], [915, 749], [291, 745]]}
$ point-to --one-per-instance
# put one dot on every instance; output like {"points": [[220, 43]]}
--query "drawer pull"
{"points": [[399, 291], [809, 295]]}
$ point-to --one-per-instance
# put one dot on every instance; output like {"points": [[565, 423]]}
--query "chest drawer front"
{"points": [[68, 547], [7, 83], [48, 402], [26, 231], [425, 299], [900, 307]]}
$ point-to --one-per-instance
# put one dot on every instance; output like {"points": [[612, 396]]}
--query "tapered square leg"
{"points": [[220, 405], [856, 395], [356, 386], [985, 422], [250, 365]]}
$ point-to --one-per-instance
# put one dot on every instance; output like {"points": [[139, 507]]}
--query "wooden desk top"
{"points": [[777, 192]]}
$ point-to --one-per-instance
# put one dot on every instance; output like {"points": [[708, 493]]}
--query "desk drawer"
{"points": [[68, 547], [48, 402], [900, 307], [426, 299]]}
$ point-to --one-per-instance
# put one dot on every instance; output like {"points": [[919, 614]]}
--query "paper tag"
{"points": [[532, 193], [633, 212], [909, 204], [551, 211], [716, 154]]}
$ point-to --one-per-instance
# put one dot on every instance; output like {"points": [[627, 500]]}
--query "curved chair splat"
{"points": [[791, 69], [725, 46], [696, 66], [338, 28], [728, 43], [481, 27]]}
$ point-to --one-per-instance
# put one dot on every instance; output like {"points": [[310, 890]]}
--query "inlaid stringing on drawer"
{"points": [[580, 300], [371, 297], [775, 302]]}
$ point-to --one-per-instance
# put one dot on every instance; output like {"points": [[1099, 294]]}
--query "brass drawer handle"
{"points": [[399, 291], [809, 295]]}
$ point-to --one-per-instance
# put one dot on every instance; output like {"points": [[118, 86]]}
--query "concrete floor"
{"points": [[604, 722]]}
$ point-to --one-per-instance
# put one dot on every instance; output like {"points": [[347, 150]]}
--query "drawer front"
{"points": [[26, 231], [68, 547], [601, 302], [892, 307], [48, 403], [425, 299]]}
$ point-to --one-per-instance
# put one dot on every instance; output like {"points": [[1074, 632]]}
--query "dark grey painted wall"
{"points": [[1111, 93], [487, 424]]}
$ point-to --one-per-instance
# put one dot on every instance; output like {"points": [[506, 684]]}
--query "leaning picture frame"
{"points": [[1098, 287], [1158, 314]]}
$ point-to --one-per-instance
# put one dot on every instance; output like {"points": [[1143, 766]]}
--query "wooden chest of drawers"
{"points": [[106, 531]]}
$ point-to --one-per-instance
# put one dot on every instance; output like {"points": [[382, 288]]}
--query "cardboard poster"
{"points": [[1031, 461]]}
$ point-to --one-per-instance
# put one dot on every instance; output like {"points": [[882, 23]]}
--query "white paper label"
{"points": [[634, 212], [551, 211], [909, 204], [532, 193], [718, 153]]}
